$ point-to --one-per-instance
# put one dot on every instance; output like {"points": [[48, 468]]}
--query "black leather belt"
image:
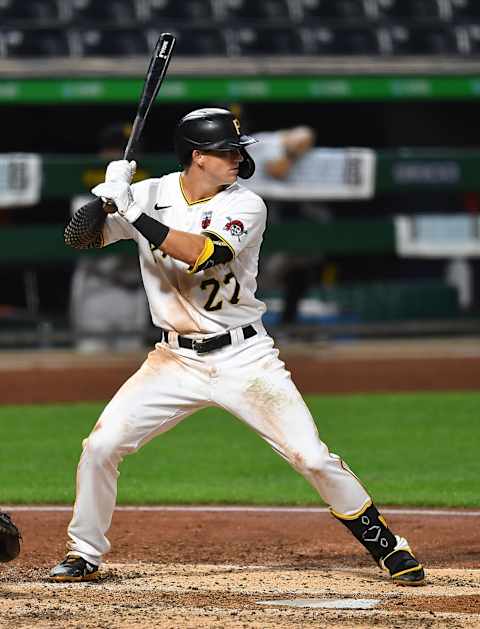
{"points": [[203, 346]]}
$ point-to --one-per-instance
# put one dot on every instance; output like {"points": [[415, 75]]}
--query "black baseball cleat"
{"points": [[404, 569], [74, 568]]}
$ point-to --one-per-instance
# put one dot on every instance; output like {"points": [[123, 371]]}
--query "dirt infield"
{"points": [[368, 366], [180, 569], [209, 569]]}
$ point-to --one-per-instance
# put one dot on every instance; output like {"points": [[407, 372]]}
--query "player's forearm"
{"points": [[183, 246], [279, 168], [177, 244]]}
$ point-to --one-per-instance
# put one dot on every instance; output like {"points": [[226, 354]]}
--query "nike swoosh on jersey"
{"points": [[161, 207]]}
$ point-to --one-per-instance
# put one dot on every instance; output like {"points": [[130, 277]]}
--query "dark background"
{"points": [[68, 129], [380, 125]]}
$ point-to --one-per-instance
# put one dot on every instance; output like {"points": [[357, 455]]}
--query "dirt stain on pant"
{"points": [[270, 403]]}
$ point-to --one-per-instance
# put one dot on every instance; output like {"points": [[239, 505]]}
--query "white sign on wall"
{"points": [[438, 236], [320, 174], [20, 179]]}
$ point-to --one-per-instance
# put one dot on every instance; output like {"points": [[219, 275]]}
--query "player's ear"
{"points": [[197, 156]]}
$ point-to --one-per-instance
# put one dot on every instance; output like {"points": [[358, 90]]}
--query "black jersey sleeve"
{"points": [[84, 230]]}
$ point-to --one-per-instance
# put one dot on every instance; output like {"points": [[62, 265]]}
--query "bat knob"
{"points": [[109, 206]]}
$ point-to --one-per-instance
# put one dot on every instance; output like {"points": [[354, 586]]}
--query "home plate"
{"points": [[326, 603]]}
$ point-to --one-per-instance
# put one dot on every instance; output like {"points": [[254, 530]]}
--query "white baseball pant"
{"points": [[245, 378]]}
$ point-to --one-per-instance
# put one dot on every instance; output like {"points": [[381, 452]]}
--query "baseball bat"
{"points": [[156, 72], [157, 69]]}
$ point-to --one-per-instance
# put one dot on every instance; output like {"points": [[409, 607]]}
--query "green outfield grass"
{"points": [[408, 449]]}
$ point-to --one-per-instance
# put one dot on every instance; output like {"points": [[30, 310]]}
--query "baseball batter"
{"points": [[198, 234]]}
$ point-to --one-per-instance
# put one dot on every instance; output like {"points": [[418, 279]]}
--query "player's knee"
{"points": [[101, 450], [312, 461]]}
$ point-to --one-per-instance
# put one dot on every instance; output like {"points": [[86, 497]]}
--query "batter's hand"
{"points": [[121, 170], [9, 538], [121, 194]]}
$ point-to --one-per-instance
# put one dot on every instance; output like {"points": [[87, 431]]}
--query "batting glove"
{"points": [[121, 170], [121, 194]]}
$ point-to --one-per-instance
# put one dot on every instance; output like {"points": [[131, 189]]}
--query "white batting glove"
{"points": [[121, 170], [121, 194]]}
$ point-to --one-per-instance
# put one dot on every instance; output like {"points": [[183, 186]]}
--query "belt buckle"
{"points": [[197, 345]]}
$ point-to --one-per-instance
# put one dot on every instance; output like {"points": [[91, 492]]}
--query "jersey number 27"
{"points": [[215, 284]]}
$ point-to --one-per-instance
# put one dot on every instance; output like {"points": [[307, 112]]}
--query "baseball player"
{"points": [[198, 234]]}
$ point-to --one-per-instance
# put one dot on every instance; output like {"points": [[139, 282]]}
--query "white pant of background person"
{"points": [[105, 314], [248, 380], [108, 305]]}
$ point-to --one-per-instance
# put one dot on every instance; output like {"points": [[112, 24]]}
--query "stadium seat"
{"points": [[256, 41], [342, 40], [465, 9], [109, 42], [34, 11], [343, 10], [407, 9], [254, 10], [186, 10], [195, 41], [34, 42], [106, 12], [423, 40]]}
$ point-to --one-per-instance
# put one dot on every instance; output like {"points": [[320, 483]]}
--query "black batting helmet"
{"points": [[212, 129]]}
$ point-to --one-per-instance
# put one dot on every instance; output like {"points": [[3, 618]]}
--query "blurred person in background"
{"points": [[108, 307], [275, 155]]}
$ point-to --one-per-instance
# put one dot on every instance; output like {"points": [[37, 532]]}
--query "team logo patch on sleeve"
{"points": [[206, 219], [235, 227]]}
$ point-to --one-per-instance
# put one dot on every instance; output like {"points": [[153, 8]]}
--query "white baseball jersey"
{"points": [[269, 148], [211, 301]]}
